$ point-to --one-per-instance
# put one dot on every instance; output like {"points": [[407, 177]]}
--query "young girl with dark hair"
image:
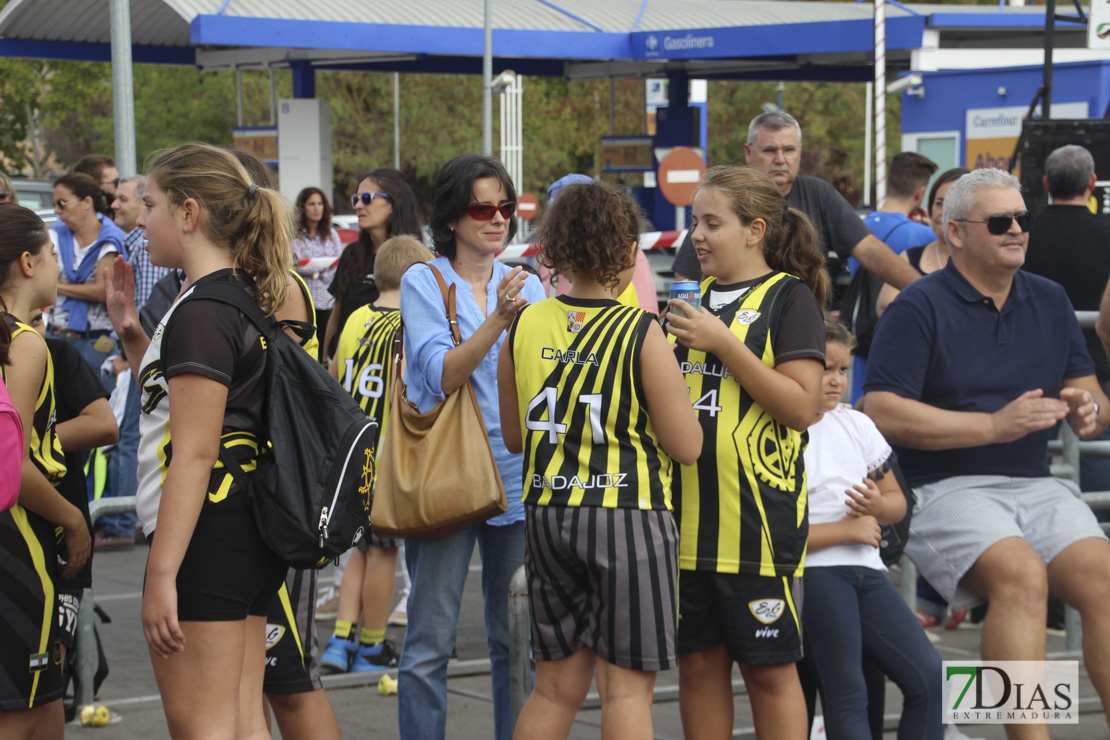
{"points": [[210, 577], [601, 539], [30, 676], [753, 357]]}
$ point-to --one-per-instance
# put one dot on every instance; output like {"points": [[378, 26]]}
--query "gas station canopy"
{"points": [[765, 39]]}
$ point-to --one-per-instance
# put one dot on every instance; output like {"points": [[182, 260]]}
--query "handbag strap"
{"points": [[448, 303], [448, 294]]}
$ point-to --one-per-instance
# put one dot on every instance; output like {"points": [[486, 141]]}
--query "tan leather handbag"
{"points": [[436, 471]]}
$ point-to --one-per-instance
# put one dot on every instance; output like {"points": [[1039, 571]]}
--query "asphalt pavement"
{"points": [[130, 690]]}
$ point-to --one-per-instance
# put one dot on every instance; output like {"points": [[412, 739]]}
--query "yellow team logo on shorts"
{"points": [[368, 476], [767, 611], [773, 452], [575, 321], [274, 633]]}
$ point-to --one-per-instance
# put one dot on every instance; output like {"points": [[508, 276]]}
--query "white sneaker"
{"points": [[328, 610], [399, 617]]}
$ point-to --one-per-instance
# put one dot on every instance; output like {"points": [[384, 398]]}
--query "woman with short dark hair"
{"points": [[472, 219]]}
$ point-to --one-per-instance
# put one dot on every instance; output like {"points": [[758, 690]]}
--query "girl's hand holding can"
{"points": [[695, 328]]}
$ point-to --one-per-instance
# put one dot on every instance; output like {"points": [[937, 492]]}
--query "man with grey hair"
{"points": [[774, 147], [127, 205], [970, 370], [1070, 245]]}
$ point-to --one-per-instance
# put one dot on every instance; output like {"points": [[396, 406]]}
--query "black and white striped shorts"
{"points": [[606, 579]]}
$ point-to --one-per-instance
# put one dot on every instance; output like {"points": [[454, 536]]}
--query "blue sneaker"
{"points": [[375, 657], [338, 655]]}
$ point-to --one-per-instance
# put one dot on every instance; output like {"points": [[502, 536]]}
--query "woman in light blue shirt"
{"points": [[472, 219]]}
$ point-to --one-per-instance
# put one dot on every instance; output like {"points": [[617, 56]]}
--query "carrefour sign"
{"points": [[1098, 25]]}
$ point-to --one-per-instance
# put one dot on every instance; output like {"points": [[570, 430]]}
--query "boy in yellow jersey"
{"points": [[364, 365], [753, 358], [585, 376]]}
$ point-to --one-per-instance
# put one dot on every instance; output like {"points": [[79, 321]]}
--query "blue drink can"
{"points": [[688, 291]]}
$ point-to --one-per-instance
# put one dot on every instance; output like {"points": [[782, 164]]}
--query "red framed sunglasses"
{"points": [[485, 211]]}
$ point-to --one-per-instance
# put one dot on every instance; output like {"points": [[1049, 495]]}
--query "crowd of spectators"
{"points": [[974, 362]]}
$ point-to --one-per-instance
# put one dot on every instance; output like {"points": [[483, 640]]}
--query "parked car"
{"points": [[34, 194]]}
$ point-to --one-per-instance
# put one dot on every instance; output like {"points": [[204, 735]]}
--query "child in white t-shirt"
{"points": [[852, 612]]}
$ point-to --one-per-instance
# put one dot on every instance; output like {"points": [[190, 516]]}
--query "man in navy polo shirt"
{"points": [[970, 369]]}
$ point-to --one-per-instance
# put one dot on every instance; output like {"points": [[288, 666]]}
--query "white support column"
{"points": [[273, 98], [880, 103], [396, 121], [512, 132], [239, 96], [123, 88], [867, 122]]}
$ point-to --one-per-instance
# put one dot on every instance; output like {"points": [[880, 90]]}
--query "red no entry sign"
{"points": [[527, 206], [679, 175]]}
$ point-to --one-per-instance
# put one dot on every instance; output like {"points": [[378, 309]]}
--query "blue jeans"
{"points": [[92, 356], [851, 613], [438, 568], [123, 465]]}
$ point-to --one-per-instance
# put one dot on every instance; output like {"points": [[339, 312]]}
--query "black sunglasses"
{"points": [[368, 198], [485, 211], [999, 223]]}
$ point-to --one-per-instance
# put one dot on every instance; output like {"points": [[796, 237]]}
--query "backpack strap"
{"points": [[266, 326], [890, 233], [235, 296]]}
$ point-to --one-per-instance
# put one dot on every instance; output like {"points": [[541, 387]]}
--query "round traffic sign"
{"points": [[679, 175], [527, 206]]}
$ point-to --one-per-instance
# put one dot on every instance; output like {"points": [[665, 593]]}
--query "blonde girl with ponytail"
{"points": [[753, 357], [210, 577]]}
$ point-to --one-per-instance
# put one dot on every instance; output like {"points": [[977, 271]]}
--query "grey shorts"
{"points": [[606, 579], [957, 519]]}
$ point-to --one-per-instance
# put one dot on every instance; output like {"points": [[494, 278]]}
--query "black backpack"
{"points": [[310, 494], [858, 310], [895, 535]]}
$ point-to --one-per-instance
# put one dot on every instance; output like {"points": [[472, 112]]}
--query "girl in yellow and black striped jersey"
{"points": [[30, 658], [753, 358], [601, 408]]}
